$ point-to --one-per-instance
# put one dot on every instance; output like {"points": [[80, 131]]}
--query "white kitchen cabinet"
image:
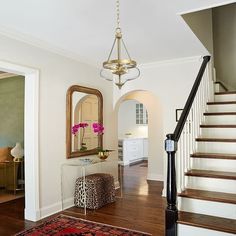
{"points": [[141, 114], [132, 150]]}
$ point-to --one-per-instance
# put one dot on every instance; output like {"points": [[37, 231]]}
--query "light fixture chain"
{"points": [[118, 13]]}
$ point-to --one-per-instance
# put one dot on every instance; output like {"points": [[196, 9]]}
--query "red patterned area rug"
{"points": [[64, 225]]}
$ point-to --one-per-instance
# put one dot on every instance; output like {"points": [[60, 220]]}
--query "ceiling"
{"points": [[153, 30]]}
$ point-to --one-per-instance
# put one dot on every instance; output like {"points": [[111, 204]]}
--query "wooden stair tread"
{"points": [[225, 140], [214, 155], [218, 126], [207, 222], [219, 113], [209, 195], [211, 174], [221, 103], [225, 93]]}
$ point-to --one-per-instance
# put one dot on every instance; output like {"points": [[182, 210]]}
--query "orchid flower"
{"points": [[75, 130], [98, 128]]}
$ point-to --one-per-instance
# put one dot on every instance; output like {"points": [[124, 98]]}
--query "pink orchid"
{"points": [[75, 130], [76, 127], [98, 128]]}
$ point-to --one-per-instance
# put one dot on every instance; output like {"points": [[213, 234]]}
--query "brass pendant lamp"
{"points": [[119, 70]]}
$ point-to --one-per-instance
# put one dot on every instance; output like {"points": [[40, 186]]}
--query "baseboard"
{"points": [[123, 163], [155, 177], [163, 192], [50, 210], [134, 162], [57, 207], [32, 215]]}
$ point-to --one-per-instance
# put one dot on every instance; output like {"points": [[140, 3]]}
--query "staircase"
{"points": [[207, 205]]}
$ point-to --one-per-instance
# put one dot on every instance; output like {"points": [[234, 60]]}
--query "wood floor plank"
{"points": [[209, 195], [208, 222], [142, 207]]}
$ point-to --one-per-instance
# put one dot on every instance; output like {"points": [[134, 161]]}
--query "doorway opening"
{"points": [[31, 126], [133, 133], [152, 132], [12, 136]]}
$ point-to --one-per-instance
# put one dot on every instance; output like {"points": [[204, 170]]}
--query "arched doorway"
{"points": [[132, 132], [155, 130]]}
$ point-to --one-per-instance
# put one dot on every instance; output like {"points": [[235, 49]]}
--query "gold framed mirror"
{"points": [[84, 107]]}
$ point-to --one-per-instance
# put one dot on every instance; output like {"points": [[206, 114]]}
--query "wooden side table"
{"points": [[13, 170]]}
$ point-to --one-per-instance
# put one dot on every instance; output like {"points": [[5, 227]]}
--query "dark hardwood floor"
{"points": [[141, 207]]}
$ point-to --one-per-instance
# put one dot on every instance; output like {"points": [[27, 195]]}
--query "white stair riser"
{"points": [[214, 164], [211, 184], [223, 119], [222, 108], [219, 132], [225, 210], [186, 230], [219, 88], [225, 98], [217, 147]]}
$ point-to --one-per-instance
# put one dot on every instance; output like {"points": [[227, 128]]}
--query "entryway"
{"points": [[12, 136], [31, 108]]}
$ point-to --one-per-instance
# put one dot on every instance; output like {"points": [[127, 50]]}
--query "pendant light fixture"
{"points": [[121, 68]]}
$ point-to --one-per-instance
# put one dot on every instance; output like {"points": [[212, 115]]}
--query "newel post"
{"points": [[171, 213]]}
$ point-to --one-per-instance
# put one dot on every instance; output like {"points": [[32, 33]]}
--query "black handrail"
{"points": [[171, 142], [188, 105]]}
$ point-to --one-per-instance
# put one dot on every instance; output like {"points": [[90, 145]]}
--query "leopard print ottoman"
{"points": [[99, 191]]}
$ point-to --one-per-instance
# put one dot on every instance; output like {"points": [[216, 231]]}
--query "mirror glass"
{"points": [[84, 108]]}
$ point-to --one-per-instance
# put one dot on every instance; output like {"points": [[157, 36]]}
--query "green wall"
{"points": [[12, 111]]}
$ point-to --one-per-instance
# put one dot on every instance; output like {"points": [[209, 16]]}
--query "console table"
{"points": [[82, 166]]}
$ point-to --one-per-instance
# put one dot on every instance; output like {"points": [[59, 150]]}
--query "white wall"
{"points": [[57, 73], [169, 82], [224, 31], [127, 121]]}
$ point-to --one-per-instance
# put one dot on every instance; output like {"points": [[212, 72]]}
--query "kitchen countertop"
{"points": [[131, 138]]}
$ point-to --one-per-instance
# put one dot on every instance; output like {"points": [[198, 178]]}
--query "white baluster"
{"points": [[191, 130]]}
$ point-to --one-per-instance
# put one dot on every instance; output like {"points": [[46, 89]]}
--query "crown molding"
{"points": [[171, 61], [30, 40]]}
